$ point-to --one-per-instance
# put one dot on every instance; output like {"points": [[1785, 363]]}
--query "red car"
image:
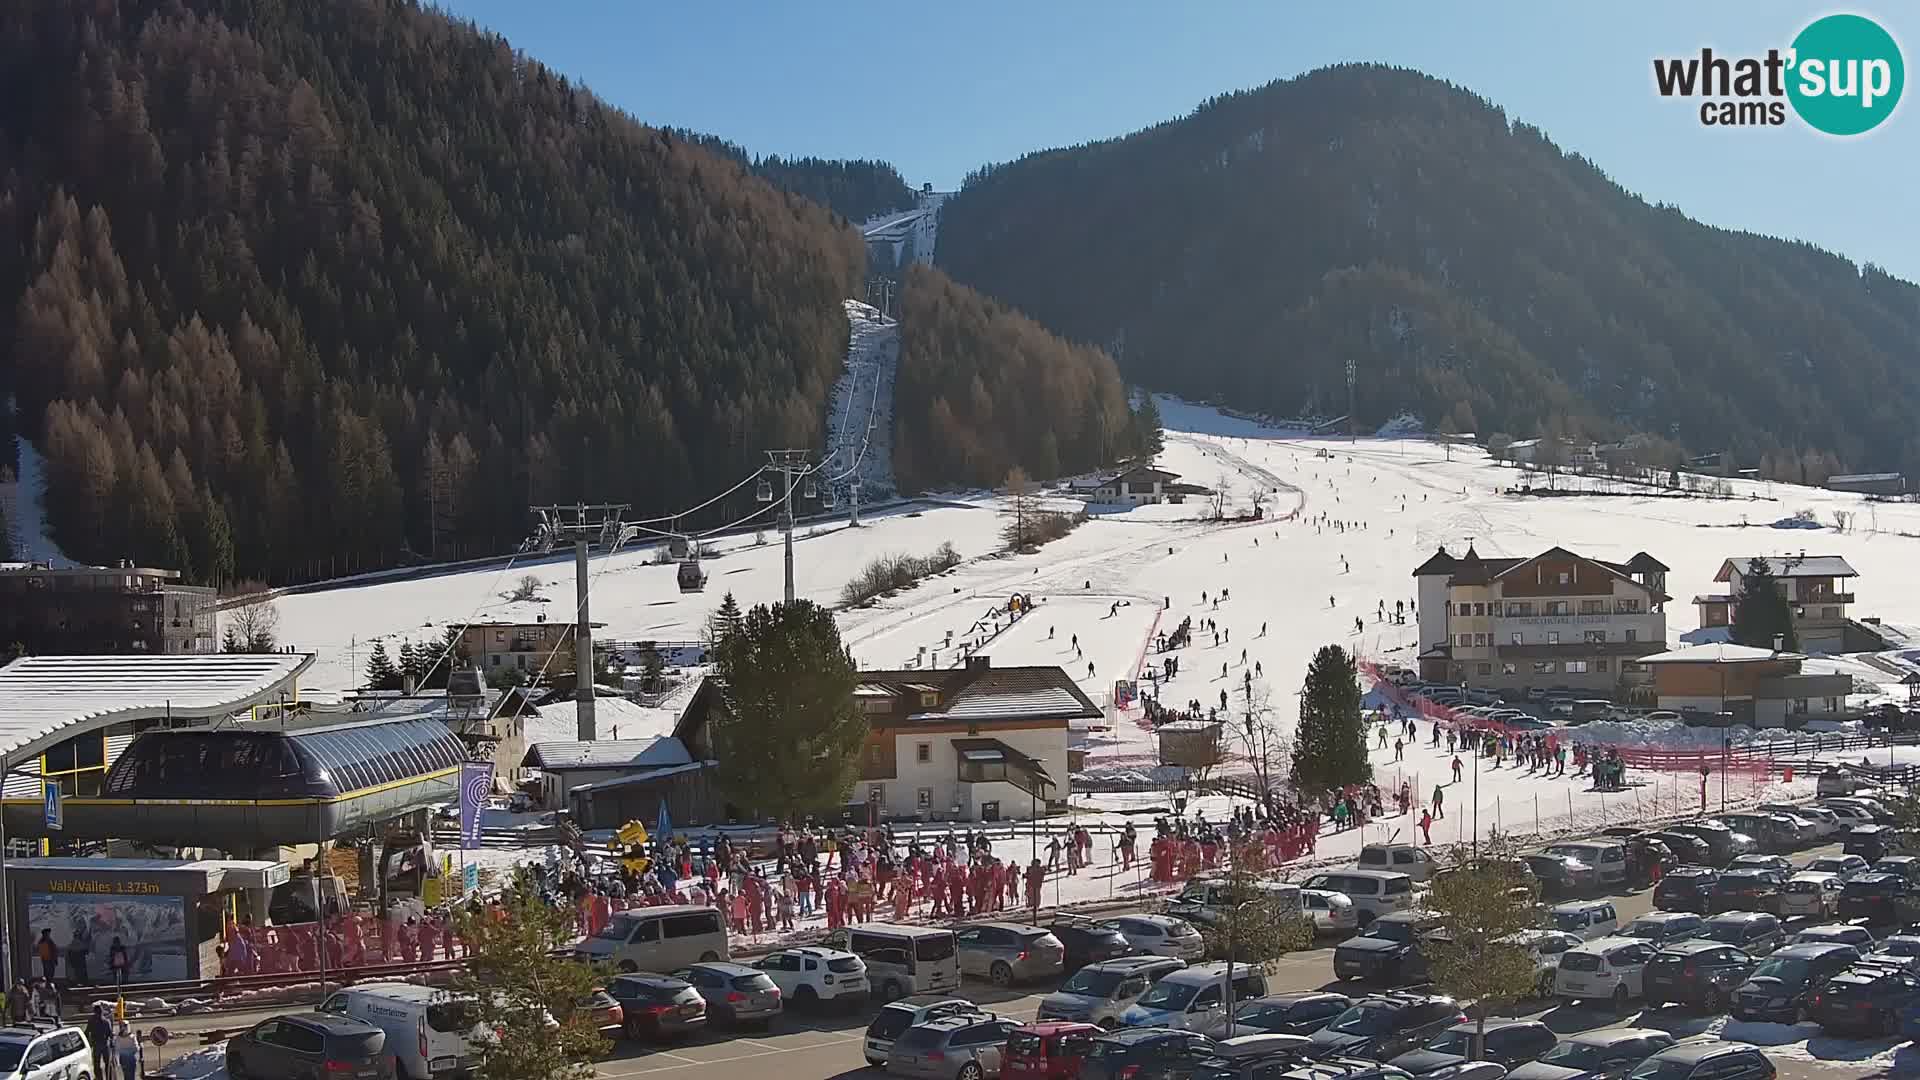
{"points": [[1049, 1050]]}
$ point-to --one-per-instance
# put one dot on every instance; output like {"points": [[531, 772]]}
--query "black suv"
{"points": [[1701, 972], [1722, 842], [1145, 1054], [1866, 999], [1386, 1025], [1706, 1061], [1752, 932], [1289, 1014], [1746, 890], [1388, 951], [1685, 888], [1087, 942], [1512, 1043], [1688, 848], [1877, 898], [1785, 982]]}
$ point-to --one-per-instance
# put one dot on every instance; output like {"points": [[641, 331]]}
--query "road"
{"points": [[825, 1047]]}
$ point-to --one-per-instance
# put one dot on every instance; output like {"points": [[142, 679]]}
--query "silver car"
{"points": [[951, 1048], [1160, 935], [735, 993], [1008, 952]]}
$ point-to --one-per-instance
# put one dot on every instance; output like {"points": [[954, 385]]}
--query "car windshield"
{"points": [[1646, 928], [1093, 982], [1787, 969], [1574, 1055], [620, 929], [1025, 1044], [1393, 930], [1364, 1020], [1570, 921], [1731, 933], [1261, 1014], [1662, 1069], [1168, 995], [1107, 1049], [1453, 1041], [1828, 866]]}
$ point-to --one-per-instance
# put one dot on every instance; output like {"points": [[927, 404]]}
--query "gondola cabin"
{"points": [[692, 578]]}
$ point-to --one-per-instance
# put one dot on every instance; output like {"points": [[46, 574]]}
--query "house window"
{"points": [[499, 637], [1486, 669], [1520, 609], [1518, 637], [1479, 641], [1833, 704], [1464, 640], [1557, 607], [876, 793], [1576, 667], [1479, 609], [495, 657], [1633, 635], [1626, 607], [1508, 669], [1600, 666], [1829, 612], [1553, 637], [1592, 607], [1596, 637], [1799, 706], [923, 752], [873, 754], [1545, 667], [923, 799], [1565, 578], [1630, 667], [929, 699]]}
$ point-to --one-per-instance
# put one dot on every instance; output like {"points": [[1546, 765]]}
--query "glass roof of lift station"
{"points": [[315, 762]]}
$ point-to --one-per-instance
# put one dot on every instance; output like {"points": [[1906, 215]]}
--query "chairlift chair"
{"points": [[808, 489], [692, 578], [763, 491], [827, 498], [677, 547]]}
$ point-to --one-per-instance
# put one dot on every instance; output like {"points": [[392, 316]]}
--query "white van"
{"points": [[1407, 859], [1374, 892], [1608, 857], [1195, 999], [430, 1033], [902, 960], [1610, 969], [1588, 920], [664, 938]]}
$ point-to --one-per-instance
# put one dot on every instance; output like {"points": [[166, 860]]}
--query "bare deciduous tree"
{"points": [[252, 627]]}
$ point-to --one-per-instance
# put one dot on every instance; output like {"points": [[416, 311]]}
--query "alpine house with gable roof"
{"points": [[1556, 619], [976, 743]]}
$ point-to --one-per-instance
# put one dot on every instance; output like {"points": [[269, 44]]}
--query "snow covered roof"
{"points": [[47, 699], [1790, 566], [608, 754], [985, 693], [1724, 652], [645, 776], [1864, 478], [559, 721]]}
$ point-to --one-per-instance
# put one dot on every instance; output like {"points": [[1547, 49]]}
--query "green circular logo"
{"points": [[1847, 75]]}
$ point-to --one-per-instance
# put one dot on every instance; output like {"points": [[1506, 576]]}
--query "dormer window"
{"points": [[929, 699]]}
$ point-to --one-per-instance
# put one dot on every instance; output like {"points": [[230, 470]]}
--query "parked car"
{"points": [[1587, 919], [1847, 814], [736, 994], [1089, 942], [48, 1051], [1877, 898], [1782, 985], [1825, 823], [963, 1047], [1865, 999], [1386, 1025], [1722, 842], [1835, 780], [896, 1017], [1845, 867], [809, 975], [1205, 899], [1374, 892], [1705, 1061], [1700, 973], [1907, 866], [1145, 1054], [1562, 875], [1845, 933], [1773, 832], [902, 960], [1606, 1054], [1664, 926], [1157, 935], [1755, 933], [1387, 951], [1546, 947], [1687, 847], [1195, 998], [1761, 862], [655, 1007], [1811, 893], [1005, 952], [1252, 1057], [300, 1045], [1047, 1050], [1900, 949], [1609, 969], [1290, 1014], [1686, 888], [1609, 857], [1330, 912], [1511, 1043], [1409, 859], [1746, 890], [1872, 842], [1099, 993]]}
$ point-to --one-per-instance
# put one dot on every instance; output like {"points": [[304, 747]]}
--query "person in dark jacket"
{"points": [[100, 1038], [117, 962]]}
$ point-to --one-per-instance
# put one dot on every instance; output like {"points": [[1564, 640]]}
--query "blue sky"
{"points": [[938, 89]]}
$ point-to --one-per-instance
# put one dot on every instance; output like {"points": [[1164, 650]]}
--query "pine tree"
{"points": [[1329, 747], [787, 734], [413, 663], [443, 659], [381, 674], [652, 667], [1761, 612], [723, 622], [1149, 437]]}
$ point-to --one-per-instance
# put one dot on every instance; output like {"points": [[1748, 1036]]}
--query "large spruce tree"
{"points": [[787, 736], [1329, 747], [1761, 613]]}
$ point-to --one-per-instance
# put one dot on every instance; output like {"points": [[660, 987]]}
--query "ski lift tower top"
{"points": [[582, 523]]}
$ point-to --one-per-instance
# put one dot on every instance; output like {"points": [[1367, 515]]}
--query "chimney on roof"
{"points": [[1779, 642], [979, 663]]}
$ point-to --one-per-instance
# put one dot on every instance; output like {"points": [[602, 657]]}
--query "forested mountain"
{"points": [[292, 288], [1467, 268], [982, 388], [856, 190]]}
